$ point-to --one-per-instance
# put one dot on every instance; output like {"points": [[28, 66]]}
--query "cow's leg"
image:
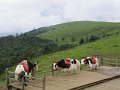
{"points": [[96, 66], [30, 74], [26, 78], [74, 71], [90, 65], [59, 71], [74, 68]]}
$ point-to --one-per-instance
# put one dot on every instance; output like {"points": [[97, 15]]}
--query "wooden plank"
{"points": [[16, 85], [95, 83]]}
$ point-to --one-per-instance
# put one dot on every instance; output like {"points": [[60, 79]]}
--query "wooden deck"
{"points": [[65, 82], [68, 81]]}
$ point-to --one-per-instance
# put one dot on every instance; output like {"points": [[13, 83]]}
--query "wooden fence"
{"points": [[51, 71], [10, 85], [115, 62], [103, 61], [22, 86]]}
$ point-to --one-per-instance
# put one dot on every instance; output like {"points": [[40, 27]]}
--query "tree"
{"points": [[56, 40], [65, 46], [14, 49], [86, 39], [81, 41], [63, 39], [73, 39], [93, 38]]}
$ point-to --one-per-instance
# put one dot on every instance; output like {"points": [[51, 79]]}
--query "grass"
{"points": [[106, 47], [79, 29]]}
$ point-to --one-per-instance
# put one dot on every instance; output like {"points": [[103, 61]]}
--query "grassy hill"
{"points": [[106, 47], [80, 29]]}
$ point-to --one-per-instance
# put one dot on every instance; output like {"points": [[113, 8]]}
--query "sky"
{"points": [[19, 16]]}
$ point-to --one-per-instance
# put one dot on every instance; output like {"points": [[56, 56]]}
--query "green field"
{"points": [[80, 29], [106, 47]]}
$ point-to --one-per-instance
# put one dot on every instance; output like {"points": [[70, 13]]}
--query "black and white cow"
{"points": [[67, 65], [91, 61], [27, 67]]}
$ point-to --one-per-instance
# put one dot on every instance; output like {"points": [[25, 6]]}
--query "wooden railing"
{"points": [[43, 73], [22, 87], [115, 62], [103, 61]]}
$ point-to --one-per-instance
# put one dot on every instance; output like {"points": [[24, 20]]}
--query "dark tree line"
{"points": [[91, 38], [13, 49], [87, 39]]}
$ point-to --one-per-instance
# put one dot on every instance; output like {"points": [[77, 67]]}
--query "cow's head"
{"points": [[83, 61], [86, 60], [35, 66], [55, 66]]}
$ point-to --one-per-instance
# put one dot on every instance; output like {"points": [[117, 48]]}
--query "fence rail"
{"points": [[110, 62], [10, 85], [22, 87], [103, 61]]}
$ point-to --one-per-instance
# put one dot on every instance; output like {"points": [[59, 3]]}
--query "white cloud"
{"points": [[23, 15]]}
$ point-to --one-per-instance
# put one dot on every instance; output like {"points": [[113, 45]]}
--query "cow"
{"points": [[91, 61], [67, 65], [25, 68]]}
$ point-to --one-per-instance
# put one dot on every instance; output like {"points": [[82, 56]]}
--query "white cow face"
{"points": [[83, 61], [35, 64], [55, 66]]}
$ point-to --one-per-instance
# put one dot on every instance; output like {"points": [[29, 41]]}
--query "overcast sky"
{"points": [[18, 16]]}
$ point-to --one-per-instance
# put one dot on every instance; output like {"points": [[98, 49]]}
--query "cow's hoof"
{"points": [[25, 85]]}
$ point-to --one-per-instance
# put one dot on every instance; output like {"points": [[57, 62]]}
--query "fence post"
{"points": [[101, 61], [23, 83], [7, 78], [116, 62], [44, 83], [32, 74]]}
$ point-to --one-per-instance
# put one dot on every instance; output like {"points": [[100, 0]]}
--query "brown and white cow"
{"points": [[91, 61], [67, 65]]}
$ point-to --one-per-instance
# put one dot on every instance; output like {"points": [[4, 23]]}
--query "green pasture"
{"points": [[79, 29], [106, 47]]}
